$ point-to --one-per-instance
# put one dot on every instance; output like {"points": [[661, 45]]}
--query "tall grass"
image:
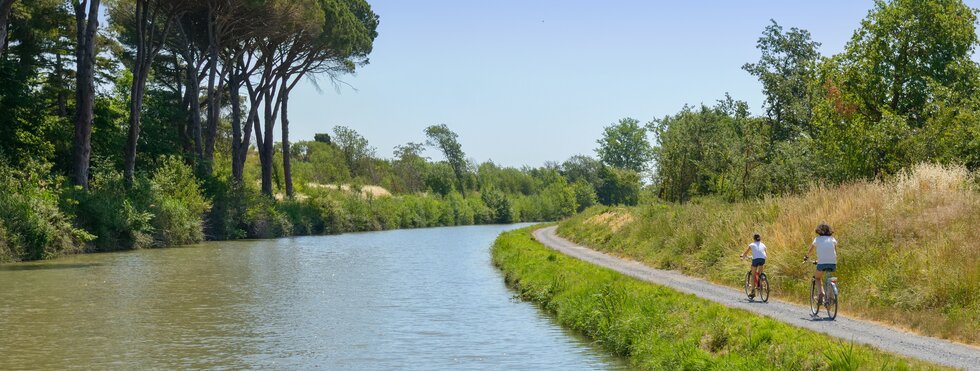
{"points": [[658, 328], [907, 253]]}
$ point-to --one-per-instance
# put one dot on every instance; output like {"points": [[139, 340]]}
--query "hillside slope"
{"points": [[908, 251]]}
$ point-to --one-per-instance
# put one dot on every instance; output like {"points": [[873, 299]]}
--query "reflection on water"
{"points": [[412, 299]]}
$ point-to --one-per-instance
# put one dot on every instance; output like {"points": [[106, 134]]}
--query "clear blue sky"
{"points": [[525, 82]]}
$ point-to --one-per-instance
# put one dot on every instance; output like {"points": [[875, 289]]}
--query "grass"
{"points": [[659, 328], [907, 254]]}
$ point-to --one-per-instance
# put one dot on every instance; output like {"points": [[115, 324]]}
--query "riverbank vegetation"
{"points": [[658, 328], [147, 123]]}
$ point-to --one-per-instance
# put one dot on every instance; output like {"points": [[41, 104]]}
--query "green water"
{"points": [[412, 299]]}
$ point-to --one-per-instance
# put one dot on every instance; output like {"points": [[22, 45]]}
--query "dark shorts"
{"points": [[758, 262], [827, 267]]}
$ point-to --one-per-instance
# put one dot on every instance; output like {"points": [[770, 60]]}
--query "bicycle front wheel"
{"points": [[814, 292], [748, 284]]}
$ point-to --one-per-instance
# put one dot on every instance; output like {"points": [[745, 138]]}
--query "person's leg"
{"points": [[819, 276], [758, 276]]}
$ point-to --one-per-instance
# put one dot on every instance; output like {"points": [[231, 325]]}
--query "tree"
{"points": [[87, 23], [909, 60], [148, 23], [619, 187], [5, 6], [624, 145], [582, 168], [785, 69], [904, 51], [354, 147], [445, 140], [318, 36], [409, 165], [322, 138]]}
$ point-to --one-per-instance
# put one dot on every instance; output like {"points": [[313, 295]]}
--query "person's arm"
{"points": [[746, 252], [810, 251]]}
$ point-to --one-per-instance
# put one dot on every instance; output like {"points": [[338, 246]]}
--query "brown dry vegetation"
{"points": [[907, 253]]}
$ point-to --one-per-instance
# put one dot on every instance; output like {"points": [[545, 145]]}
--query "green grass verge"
{"points": [[659, 328]]}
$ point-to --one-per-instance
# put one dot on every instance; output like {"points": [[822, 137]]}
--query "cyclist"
{"points": [[826, 246], [758, 259]]}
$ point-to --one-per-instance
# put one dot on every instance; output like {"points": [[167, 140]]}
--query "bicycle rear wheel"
{"points": [[814, 305], [748, 284], [831, 303], [763, 288]]}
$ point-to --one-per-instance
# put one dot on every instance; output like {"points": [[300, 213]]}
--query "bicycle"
{"points": [[762, 288], [828, 301]]}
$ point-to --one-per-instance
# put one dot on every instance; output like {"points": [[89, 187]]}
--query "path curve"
{"points": [[889, 339]]}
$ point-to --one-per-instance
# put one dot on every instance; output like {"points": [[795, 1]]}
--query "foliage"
{"points": [[619, 187], [624, 145], [354, 147], [785, 69], [115, 214], [178, 205], [658, 328], [441, 137], [32, 226]]}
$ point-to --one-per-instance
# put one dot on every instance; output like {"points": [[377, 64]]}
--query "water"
{"points": [[412, 299]]}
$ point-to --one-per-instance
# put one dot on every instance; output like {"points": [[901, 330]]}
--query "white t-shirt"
{"points": [[758, 250], [826, 249]]}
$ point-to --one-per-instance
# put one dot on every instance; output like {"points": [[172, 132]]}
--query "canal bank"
{"points": [[659, 328]]}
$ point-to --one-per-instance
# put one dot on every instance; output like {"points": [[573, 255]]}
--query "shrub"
{"points": [[32, 226], [116, 215], [178, 205]]}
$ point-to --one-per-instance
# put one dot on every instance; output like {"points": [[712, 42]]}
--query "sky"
{"points": [[530, 81]]}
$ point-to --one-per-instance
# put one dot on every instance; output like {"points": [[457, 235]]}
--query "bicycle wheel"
{"points": [[832, 303], [748, 284], [814, 305], [764, 288]]}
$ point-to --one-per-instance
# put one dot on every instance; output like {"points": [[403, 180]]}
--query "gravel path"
{"points": [[929, 349]]}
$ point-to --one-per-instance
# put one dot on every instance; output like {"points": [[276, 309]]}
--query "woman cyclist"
{"points": [[758, 259], [826, 246]]}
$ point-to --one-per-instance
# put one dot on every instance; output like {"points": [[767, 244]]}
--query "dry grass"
{"points": [[613, 220], [366, 190], [907, 253]]}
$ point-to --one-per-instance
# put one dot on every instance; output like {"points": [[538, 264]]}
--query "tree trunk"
{"points": [[86, 27], [194, 113], [59, 70], [214, 96], [286, 166], [182, 125], [5, 6], [135, 111], [265, 153], [237, 163]]}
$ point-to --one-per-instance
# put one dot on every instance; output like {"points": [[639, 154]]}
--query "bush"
{"points": [[116, 215], [178, 205], [585, 196], [32, 226], [619, 187]]}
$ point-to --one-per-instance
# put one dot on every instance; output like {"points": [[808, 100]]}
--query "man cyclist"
{"points": [[826, 246], [758, 259]]}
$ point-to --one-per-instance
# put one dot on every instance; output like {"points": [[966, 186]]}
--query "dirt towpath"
{"points": [[882, 337]]}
